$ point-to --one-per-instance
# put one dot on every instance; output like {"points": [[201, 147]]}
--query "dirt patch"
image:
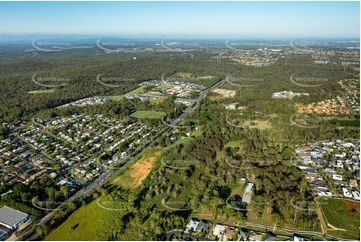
{"points": [[141, 169], [225, 92], [134, 177], [353, 207]]}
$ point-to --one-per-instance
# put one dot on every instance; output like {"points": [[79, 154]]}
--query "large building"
{"points": [[4, 233], [12, 218]]}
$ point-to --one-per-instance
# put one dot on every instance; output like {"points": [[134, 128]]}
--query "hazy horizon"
{"points": [[182, 19]]}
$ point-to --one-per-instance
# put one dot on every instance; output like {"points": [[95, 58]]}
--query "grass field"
{"points": [[184, 75], [258, 124], [89, 222], [135, 175], [187, 140], [94, 221], [343, 214], [157, 100], [45, 91], [115, 98], [237, 189], [183, 140], [234, 144], [139, 90], [196, 133], [147, 114]]}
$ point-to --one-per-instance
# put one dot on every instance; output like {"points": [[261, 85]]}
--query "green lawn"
{"points": [[161, 88], [340, 214], [157, 100], [89, 222], [183, 140], [147, 114], [196, 133]]}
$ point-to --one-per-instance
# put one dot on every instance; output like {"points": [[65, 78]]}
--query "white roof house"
{"points": [[247, 195], [346, 192], [356, 195], [337, 177], [192, 225], [218, 230]]}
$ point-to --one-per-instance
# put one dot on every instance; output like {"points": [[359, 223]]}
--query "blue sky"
{"points": [[227, 19]]}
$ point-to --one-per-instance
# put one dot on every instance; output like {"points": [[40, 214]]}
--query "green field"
{"points": [[157, 100], [196, 133], [115, 98], [343, 214], [89, 222], [234, 143], [147, 114], [183, 140], [139, 90]]}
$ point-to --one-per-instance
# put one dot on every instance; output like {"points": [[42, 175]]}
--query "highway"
{"points": [[103, 178]]}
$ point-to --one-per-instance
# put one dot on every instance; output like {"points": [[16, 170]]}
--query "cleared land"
{"points": [[258, 124], [147, 114], [139, 90], [343, 214], [45, 91], [134, 176], [225, 93]]}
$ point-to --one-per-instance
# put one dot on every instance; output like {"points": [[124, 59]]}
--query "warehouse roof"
{"points": [[11, 217]]}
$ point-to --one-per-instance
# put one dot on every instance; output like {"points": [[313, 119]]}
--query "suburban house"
{"points": [[192, 225], [247, 195], [218, 230]]}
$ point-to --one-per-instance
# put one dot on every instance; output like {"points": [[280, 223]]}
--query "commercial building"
{"points": [[12, 218]]}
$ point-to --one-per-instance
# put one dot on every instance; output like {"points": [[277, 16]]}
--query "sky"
{"points": [[208, 19]]}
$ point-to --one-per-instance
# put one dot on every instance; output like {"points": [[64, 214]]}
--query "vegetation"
{"points": [[199, 175], [342, 214], [147, 114], [90, 222], [137, 172]]}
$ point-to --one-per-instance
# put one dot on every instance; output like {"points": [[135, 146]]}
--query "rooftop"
{"points": [[11, 217]]}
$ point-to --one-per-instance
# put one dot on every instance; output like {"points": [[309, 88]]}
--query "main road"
{"points": [[294, 231], [104, 177]]}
